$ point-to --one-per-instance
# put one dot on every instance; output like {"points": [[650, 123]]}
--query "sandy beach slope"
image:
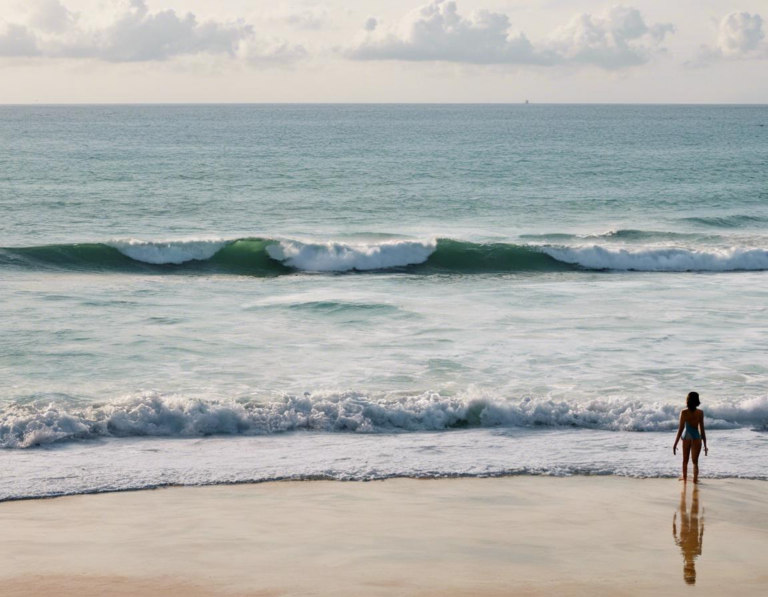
{"points": [[525, 536]]}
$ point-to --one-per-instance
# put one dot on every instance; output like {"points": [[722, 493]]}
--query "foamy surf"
{"points": [[343, 257], [120, 464], [662, 259], [156, 415]]}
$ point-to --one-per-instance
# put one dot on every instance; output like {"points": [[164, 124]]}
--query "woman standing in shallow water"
{"points": [[691, 429]]}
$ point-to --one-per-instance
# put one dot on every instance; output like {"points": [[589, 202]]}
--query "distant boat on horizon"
{"points": [[527, 102]]}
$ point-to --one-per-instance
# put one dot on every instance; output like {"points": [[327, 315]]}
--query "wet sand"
{"points": [[525, 536]]}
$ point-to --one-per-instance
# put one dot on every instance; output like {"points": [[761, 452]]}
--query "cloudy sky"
{"points": [[548, 51]]}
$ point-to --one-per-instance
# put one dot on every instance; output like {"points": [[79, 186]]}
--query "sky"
{"points": [[307, 51]]}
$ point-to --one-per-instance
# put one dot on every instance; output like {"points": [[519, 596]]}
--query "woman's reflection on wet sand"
{"points": [[691, 534]]}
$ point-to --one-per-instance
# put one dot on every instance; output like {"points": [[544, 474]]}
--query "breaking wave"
{"points": [[662, 259], [343, 257], [170, 252], [155, 415], [272, 257]]}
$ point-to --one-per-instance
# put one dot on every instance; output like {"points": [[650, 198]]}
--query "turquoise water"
{"points": [[74, 174], [195, 271]]}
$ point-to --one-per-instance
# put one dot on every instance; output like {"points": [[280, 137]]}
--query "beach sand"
{"points": [[525, 536]]}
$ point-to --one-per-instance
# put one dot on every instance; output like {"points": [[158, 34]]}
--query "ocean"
{"points": [[221, 294]]}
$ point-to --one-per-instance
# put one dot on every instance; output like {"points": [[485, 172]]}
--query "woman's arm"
{"points": [[703, 434], [679, 433]]}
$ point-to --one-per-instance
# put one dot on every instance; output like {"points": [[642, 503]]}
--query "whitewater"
{"points": [[265, 257], [153, 415], [226, 294]]}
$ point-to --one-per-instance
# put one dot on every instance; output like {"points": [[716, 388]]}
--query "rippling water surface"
{"points": [[301, 279]]}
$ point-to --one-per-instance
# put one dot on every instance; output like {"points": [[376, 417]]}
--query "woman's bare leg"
{"points": [[686, 456], [695, 451]]}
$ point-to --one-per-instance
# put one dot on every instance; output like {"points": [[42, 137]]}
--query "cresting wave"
{"points": [[271, 257], [155, 415], [662, 259]]}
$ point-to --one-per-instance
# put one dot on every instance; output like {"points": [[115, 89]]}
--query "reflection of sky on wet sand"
{"points": [[691, 533]]}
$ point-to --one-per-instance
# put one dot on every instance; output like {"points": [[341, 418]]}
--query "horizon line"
{"points": [[517, 103]]}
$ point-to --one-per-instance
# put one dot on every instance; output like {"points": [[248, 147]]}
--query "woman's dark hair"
{"points": [[692, 400]]}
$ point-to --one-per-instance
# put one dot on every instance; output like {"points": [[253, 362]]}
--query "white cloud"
{"points": [[436, 31], [740, 36], [139, 35], [618, 38], [50, 15], [135, 34]]}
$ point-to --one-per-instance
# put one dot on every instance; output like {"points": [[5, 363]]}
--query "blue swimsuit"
{"points": [[691, 432]]}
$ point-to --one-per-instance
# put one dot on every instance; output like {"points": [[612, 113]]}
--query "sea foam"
{"points": [[662, 259], [156, 415], [343, 257]]}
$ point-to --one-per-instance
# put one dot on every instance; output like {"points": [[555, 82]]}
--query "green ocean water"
{"points": [[190, 271]]}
